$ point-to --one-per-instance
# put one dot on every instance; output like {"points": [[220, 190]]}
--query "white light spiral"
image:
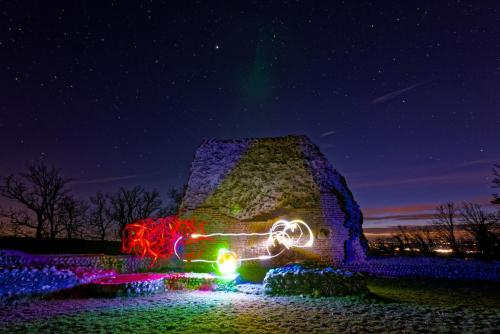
{"points": [[290, 234]]}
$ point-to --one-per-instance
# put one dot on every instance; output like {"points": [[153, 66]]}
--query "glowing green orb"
{"points": [[227, 262]]}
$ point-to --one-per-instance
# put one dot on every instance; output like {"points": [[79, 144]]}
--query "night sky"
{"points": [[402, 97]]}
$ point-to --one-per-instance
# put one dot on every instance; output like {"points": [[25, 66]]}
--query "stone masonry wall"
{"points": [[328, 242], [240, 185], [334, 218]]}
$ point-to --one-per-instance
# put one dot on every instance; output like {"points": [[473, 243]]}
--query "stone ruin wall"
{"points": [[275, 178], [326, 223], [335, 217]]}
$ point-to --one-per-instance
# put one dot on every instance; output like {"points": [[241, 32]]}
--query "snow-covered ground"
{"points": [[235, 312]]}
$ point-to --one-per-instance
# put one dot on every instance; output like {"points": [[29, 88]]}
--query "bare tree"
{"points": [[445, 222], [100, 215], [129, 205], [415, 240], [16, 222], [175, 196], [496, 183], [38, 192], [482, 226], [424, 240], [71, 216], [402, 239]]}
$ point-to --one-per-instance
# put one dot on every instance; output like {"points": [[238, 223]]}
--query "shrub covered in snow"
{"points": [[10, 258], [119, 263], [149, 283], [297, 280], [22, 275], [128, 285], [21, 281], [199, 281]]}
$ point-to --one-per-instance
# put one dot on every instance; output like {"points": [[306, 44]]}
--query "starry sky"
{"points": [[403, 97]]}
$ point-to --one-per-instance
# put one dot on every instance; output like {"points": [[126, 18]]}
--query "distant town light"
{"points": [[444, 250]]}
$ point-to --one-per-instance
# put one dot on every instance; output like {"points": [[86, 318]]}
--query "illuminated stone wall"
{"points": [[246, 185]]}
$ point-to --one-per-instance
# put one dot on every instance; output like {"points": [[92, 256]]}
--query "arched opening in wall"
{"points": [[323, 233]]}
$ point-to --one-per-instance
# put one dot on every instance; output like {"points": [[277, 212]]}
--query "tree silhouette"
{"points": [[496, 183], [482, 226], [38, 192], [445, 222], [72, 216], [175, 196], [100, 215], [130, 205]]}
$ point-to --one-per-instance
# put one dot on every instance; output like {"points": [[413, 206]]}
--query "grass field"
{"points": [[395, 306]]}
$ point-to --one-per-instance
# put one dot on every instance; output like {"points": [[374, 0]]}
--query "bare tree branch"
{"points": [[71, 216], [38, 191], [496, 183], [129, 205], [482, 226], [445, 222], [100, 215]]}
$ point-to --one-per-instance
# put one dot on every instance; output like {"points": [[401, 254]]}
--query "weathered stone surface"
{"points": [[245, 185], [316, 282]]}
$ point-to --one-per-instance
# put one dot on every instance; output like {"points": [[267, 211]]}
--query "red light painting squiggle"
{"points": [[155, 237]]}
